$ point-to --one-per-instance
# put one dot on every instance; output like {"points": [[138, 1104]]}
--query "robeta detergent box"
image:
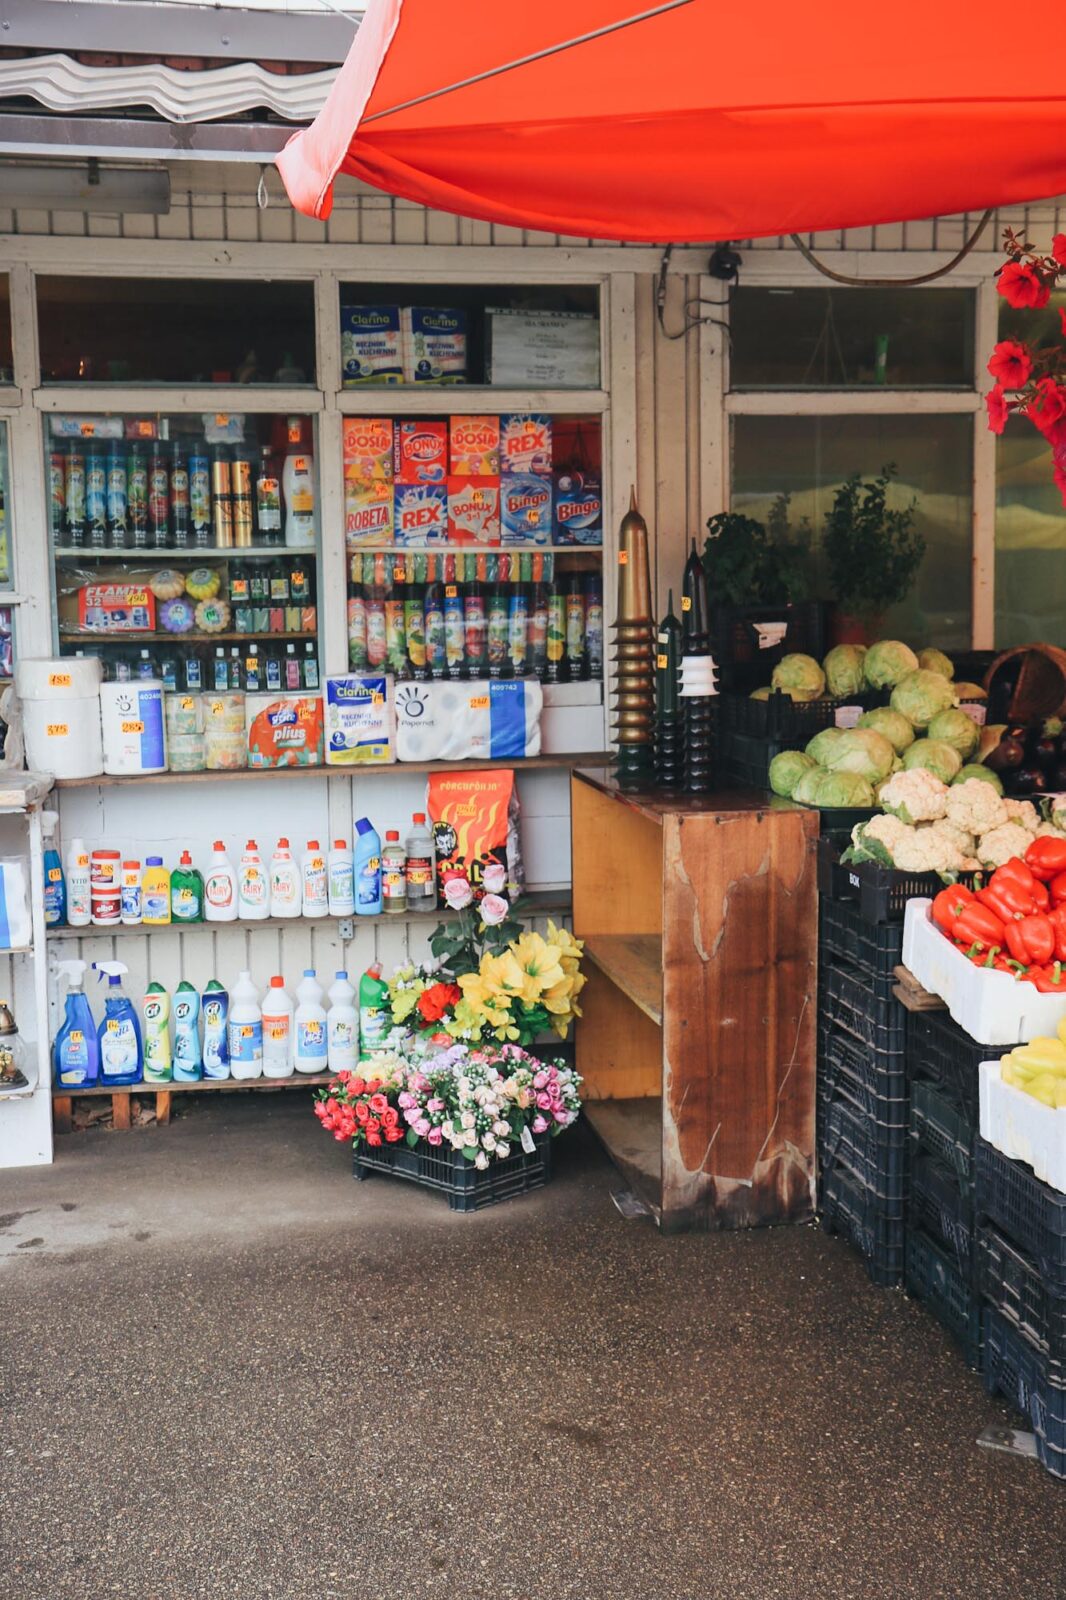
{"points": [[360, 720], [368, 514], [578, 508], [525, 445], [284, 730], [371, 345], [474, 447], [434, 344], [526, 510], [368, 449], [420, 452], [421, 513], [474, 511]]}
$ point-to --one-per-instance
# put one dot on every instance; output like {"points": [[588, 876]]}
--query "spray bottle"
{"points": [[214, 1002], [77, 1050], [188, 1062], [55, 889], [158, 1062], [375, 1016], [119, 1035]]}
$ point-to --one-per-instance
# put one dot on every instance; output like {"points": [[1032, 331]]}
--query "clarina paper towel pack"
{"points": [[360, 725]]}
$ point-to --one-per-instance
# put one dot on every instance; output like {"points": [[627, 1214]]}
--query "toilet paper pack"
{"points": [[485, 719], [434, 344]]}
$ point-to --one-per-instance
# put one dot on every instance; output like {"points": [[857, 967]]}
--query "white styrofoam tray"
{"points": [[993, 1007], [1023, 1128]]}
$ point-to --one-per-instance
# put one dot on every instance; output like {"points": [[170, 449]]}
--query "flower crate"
{"points": [[450, 1173]]}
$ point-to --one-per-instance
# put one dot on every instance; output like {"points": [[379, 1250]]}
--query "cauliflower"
{"points": [[1048, 830], [876, 840], [927, 850], [915, 796], [1000, 844], [977, 808], [1024, 812], [958, 837]]}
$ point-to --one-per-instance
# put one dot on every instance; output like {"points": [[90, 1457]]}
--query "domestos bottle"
{"points": [[311, 1042], [342, 1026], [341, 899], [277, 1031], [253, 886], [375, 1017], [214, 1003], [315, 880], [245, 1029], [188, 1065], [220, 887], [285, 892], [367, 869]]}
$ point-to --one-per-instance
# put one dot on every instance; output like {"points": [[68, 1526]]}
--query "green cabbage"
{"points": [[807, 786], [941, 759], [843, 670], [835, 790], [822, 744], [761, 694], [955, 728], [936, 661], [786, 770], [975, 770], [800, 676], [864, 751], [887, 663], [896, 729], [921, 696]]}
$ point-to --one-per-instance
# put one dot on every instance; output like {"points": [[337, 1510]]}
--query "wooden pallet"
{"points": [[910, 994], [161, 1093]]}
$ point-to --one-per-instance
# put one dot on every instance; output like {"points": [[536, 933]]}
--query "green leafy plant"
{"points": [[872, 551], [750, 563]]}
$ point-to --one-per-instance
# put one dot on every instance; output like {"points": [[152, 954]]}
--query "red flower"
{"points": [[1011, 364], [378, 1104], [436, 1001], [996, 402], [391, 1117], [393, 1135], [373, 1138], [1048, 406], [362, 1111], [1062, 320], [1058, 248], [372, 1086], [1022, 287], [357, 1086]]}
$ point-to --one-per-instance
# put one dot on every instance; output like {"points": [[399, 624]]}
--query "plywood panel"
{"points": [[633, 962], [618, 1049], [618, 885]]}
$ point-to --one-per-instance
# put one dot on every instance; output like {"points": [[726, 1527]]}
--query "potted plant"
{"points": [[872, 554], [757, 586]]}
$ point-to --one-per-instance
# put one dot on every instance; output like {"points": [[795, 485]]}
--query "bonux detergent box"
{"points": [[420, 452], [434, 344], [368, 449], [525, 444], [474, 511], [421, 513], [578, 508], [474, 447], [368, 514], [284, 730], [360, 720], [371, 345], [526, 510]]}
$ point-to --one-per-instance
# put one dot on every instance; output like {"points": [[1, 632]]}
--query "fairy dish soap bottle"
{"points": [[119, 1034]]}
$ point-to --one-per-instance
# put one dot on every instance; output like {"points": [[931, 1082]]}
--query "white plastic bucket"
{"points": [[63, 737]]}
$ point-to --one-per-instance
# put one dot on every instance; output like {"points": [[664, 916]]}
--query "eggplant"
{"points": [[1009, 753], [1028, 780], [1057, 779], [1045, 753]]}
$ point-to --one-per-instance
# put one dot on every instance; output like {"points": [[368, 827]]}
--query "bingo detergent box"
{"points": [[434, 344], [371, 345], [525, 445], [578, 516], [360, 720], [526, 510], [284, 730], [368, 449], [421, 513], [368, 514], [420, 452], [474, 447], [474, 511]]}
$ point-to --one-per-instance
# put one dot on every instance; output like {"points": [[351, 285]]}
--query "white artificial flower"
{"points": [[481, 1161], [488, 1140], [458, 893], [494, 878], [503, 1151], [501, 1129], [468, 1119]]}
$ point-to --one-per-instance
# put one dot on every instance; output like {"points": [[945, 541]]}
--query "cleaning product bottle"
{"points": [[277, 1031], [315, 881], [55, 889], [311, 1045], [132, 906], [119, 1035], [220, 887], [375, 1017], [158, 1062], [214, 1003], [79, 885], [245, 1029], [188, 1061], [298, 488], [393, 873], [342, 1026], [285, 896], [253, 886], [76, 1053], [341, 896], [186, 891], [155, 892], [367, 868], [421, 866]]}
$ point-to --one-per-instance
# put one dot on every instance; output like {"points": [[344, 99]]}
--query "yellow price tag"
{"points": [[59, 680], [479, 702], [221, 419], [662, 662], [57, 730], [623, 558], [133, 727], [686, 602]]}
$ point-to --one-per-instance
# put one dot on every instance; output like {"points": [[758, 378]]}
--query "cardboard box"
{"points": [[578, 511], [116, 608], [368, 515], [474, 511], [421, 513], [526, 510], [474, 447], [525, 444], [371, 345], [420, 452], [368, 447]]}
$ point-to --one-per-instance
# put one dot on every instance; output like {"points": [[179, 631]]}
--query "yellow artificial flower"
{"points": [[557, 998], [539, 964], [570, 949]]}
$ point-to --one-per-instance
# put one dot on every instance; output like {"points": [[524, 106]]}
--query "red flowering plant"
{"points": [[1031, 377], [364, 1109]]}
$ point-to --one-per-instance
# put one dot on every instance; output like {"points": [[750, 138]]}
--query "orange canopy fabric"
{"points": [[707, 121]]}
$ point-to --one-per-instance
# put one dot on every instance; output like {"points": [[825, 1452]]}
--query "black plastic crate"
{"points": [[876, 1152], [744, 758], [941, 1127], [846, 936], [857, 1215], [942, 1052], [1036, 1386], [1012, 1284], [865, 1007], [838, 824], [943, 1209], [779, 717], [449, 1172], [836, 880], [743, 664], [1031, 1214], [875, 1081], [883, 892], [932, 1275]]}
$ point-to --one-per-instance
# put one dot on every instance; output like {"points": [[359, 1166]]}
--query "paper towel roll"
{"points": [[131, 715], [63, 737], [59, 678]]}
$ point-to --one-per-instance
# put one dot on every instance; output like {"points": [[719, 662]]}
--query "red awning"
{"points": [[694, 120]]}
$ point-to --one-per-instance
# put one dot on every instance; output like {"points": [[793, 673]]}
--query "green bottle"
{"points": [[158, 1066], [186, 892], [375, 1015]]}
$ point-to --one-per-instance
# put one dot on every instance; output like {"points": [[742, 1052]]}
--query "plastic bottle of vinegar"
{"points": [[277, 1031]]}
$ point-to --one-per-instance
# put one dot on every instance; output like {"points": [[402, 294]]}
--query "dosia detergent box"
{"points": [[420, 452], [368, 450], [525, 444], [474, 511], [526, 510], [284, 730], [360, 720], [474, 447], [371, 345], [368, 514], [421, 513]]}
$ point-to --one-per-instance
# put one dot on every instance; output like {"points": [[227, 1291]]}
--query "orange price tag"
{"points": [[87, 430], [57, 730], [479, 702], [623, 558], [221, 419], [59, 680], [686, 602], [662, 662]]}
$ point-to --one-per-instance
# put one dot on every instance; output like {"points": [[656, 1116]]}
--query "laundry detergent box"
{"points": [[371, 345], [578, 512], [360, 720], [525, 444], [434, 344], [368, 450], [474, 511], [420, 452], [526, 510], [368, 514], [474, 447], [421, 513], [284, 730]]}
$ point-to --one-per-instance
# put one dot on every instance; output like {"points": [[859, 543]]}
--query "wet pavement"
{"points": [[230, 1371]]}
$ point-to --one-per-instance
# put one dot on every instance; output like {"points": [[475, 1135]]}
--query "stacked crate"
{"points": [[1020, 1251]]}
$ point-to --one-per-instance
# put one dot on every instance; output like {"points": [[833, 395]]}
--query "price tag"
{"points": [[686, 602], [479, 702], [623, 558], [527, 1140], [221, 419], [662, 662], [59, 680], [450, 591], [87, 430], [57, 730], [138, 597], [187, 702], [133, 727]]}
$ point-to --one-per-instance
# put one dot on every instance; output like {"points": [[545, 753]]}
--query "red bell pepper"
{"points": [[977, 925], [1050, 979], [1041, 896], [1017, 872], [1031, 940], [948, 904], [1057, 918], [1046, 858], [1004, 901], [1058, 888]]}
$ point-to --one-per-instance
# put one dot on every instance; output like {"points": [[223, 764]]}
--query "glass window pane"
{"points": [[7, 371], [5, 511], [1038, 329], [809, 458], [172, 330], [851, 338], [1030, 540]]}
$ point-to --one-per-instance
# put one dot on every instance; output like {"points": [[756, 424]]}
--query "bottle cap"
{"points": [[128, 866], [218, 845], [339, 844], [186, 859], [277, 983], [309, 972], [283, 844], [313, 844], [418, 816], [341, 975], [251, 845], [364, 825], [154, 861], [391, 834]]}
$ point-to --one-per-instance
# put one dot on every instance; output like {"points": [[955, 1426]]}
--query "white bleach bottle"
{"points": [[342, 1026], [244, 1029], [277, 1031], [79, 885], [311, 1044]]}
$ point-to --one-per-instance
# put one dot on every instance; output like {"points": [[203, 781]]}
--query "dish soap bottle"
{"points": [[315, 881], [284, 882], [253, 887], [214, 1003], [220, 887], [311, 1046], [188, 1062], [186, 891], [119, 1035], [158, 1064], [76, 1053], [342, 1026], [367, 869], [375, 1017], [245, 1029]]}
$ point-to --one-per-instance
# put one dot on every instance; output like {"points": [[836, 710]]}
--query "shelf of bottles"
{"points": [[185, 547]]}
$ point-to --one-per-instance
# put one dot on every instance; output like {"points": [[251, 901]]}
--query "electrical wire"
{"points": [[892, 283], [690, 321]]}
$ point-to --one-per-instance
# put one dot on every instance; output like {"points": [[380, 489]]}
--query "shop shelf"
{"points": [[1036, 1386], [942, 1207], [634, 964], [875, 947], [944, 1130], [73, 635], [448, 1172], [1012, 1283], [874, 1081], [863, 1006], [461, 399], [309, 1080], [875, 1151], [197, 557], [396, 768], [932, 1276], [469, 549], [943, 1053], [876, 1231], [1030, 1213]]}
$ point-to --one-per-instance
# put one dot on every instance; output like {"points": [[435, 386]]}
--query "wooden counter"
{"points": [[697, 1043]]}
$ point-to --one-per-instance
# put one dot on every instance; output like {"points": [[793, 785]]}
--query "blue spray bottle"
{"points": [[367, 868], [119, 1035], [76, 1053], [55, 885], [188, 1062]]}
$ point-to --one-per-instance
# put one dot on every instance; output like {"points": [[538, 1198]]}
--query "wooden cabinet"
{"points": [[697, 1042]]}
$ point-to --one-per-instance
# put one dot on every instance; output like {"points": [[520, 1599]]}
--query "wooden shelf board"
{"points": [[202, 556], [297, 1081], [396, 768], [631, 1131], [634, 963], [76, 636]]}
